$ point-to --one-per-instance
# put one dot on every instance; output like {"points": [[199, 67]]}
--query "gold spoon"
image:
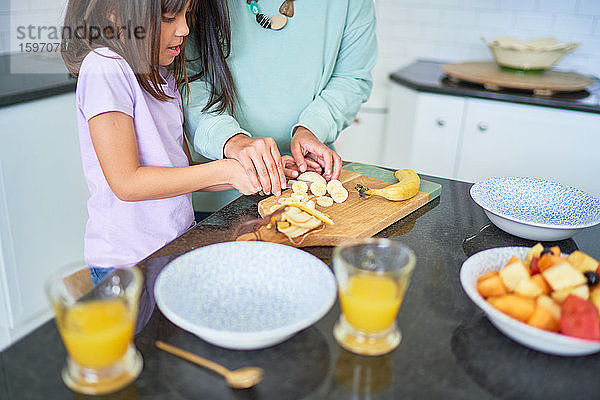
{"points": [[242, 378]]}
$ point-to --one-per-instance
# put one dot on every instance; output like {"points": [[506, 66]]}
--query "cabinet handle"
{"points": [[440, 122], [483, 126]]}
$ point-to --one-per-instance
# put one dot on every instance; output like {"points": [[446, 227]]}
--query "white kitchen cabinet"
{"points": [[362, 141], [42, 206], [423, 132], [505, 139], [471, 139]]}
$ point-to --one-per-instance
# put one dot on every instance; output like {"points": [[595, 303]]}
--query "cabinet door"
{"points": [[42, 203], [502, 139], [436, 134], [362, 141]]}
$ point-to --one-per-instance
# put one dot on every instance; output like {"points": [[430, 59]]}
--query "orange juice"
{"points": [[97, 333], [370, 303]]}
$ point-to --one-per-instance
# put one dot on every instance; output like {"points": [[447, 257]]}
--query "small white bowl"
{"points": [[537, 339], [536, 209], [537, 54], [245, 295]]}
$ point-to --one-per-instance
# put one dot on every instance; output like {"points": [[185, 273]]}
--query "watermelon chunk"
{"points": [[579, 318]]}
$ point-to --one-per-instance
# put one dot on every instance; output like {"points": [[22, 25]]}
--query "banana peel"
{"points": [[407, 186]]}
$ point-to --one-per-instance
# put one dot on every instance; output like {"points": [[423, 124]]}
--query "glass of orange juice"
{"points": [[372, 276], [97, 329]]}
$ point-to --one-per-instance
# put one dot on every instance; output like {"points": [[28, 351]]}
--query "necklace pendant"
{"points": [[278, 21], [254, 7], [263, 20], [287, 8]]}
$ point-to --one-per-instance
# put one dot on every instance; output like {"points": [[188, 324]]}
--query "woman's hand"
{"points": [[261, 161], [307, 150]]}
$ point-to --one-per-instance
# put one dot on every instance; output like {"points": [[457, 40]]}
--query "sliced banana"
{"points": [[333, 184], [310, 204], [318, 188], [300, 187], [324, 201], [339, 194], [290, 200], [290, 230], [311, 176], [303, 197]]}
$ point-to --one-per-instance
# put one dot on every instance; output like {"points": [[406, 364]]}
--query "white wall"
{"points": [[450, 30]]}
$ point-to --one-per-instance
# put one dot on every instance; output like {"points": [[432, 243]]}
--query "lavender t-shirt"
{"points": [[119, 232]]}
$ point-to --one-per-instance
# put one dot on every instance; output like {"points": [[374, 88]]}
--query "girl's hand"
{"points": [[261, 160], [238, 177]]}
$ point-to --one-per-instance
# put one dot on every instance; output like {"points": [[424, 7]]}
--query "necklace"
{"points": [[276, 22]]}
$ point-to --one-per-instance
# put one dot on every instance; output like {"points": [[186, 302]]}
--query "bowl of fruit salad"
{"points": [[536, 209], [539, 297]]}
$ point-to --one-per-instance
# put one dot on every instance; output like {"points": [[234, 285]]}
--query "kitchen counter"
{"points": [[449, 349], [30, 76], [427, 76]]}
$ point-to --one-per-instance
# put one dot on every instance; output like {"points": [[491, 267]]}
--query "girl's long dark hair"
{"points": [[212, 33], [131, 28]]}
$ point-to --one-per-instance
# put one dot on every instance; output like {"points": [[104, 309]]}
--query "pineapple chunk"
{"points": [[512, 273], [582, 261], [535, 251], [527, 287], [562, 276], [581, 291]]}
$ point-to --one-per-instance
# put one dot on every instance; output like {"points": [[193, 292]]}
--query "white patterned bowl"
{"points": [[538, 339], [245, 295], [536, 209]]}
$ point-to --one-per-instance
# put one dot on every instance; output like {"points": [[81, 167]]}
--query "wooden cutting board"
{"points": [[492, 77], [356, 217]]}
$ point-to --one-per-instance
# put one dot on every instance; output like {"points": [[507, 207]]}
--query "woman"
{"points": [[291, 91]]}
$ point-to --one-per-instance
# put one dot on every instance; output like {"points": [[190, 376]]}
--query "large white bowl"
{"points": [[536, 209], [538, 339], [245, 295], [537, 54]]}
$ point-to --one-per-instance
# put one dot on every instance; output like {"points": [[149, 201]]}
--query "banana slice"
{"points": [[310, 204], [296, 218], [290, 200], [339, 194], [290, 230], [333, 184], [303, 197], [300, 187], [318, 188], [311, 177], [324, 201]]}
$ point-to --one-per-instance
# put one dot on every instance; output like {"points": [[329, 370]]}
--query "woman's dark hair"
{"points": [[130, 28], [212, 33]]}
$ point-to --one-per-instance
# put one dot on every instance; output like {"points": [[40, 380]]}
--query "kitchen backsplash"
{"points": [[448, 30]]}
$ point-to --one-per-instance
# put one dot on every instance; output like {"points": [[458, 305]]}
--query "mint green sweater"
{"points": [[315, 73]]}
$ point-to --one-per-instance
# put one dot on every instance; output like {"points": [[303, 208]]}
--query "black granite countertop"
{"points": [[427, 76], [31, 76], [449, 349]]}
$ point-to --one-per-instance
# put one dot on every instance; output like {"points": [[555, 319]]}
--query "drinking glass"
{"points": [[97, 329], [372, 277]]}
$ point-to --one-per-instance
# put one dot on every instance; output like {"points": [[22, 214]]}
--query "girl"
{"points": [[128, 56]]}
